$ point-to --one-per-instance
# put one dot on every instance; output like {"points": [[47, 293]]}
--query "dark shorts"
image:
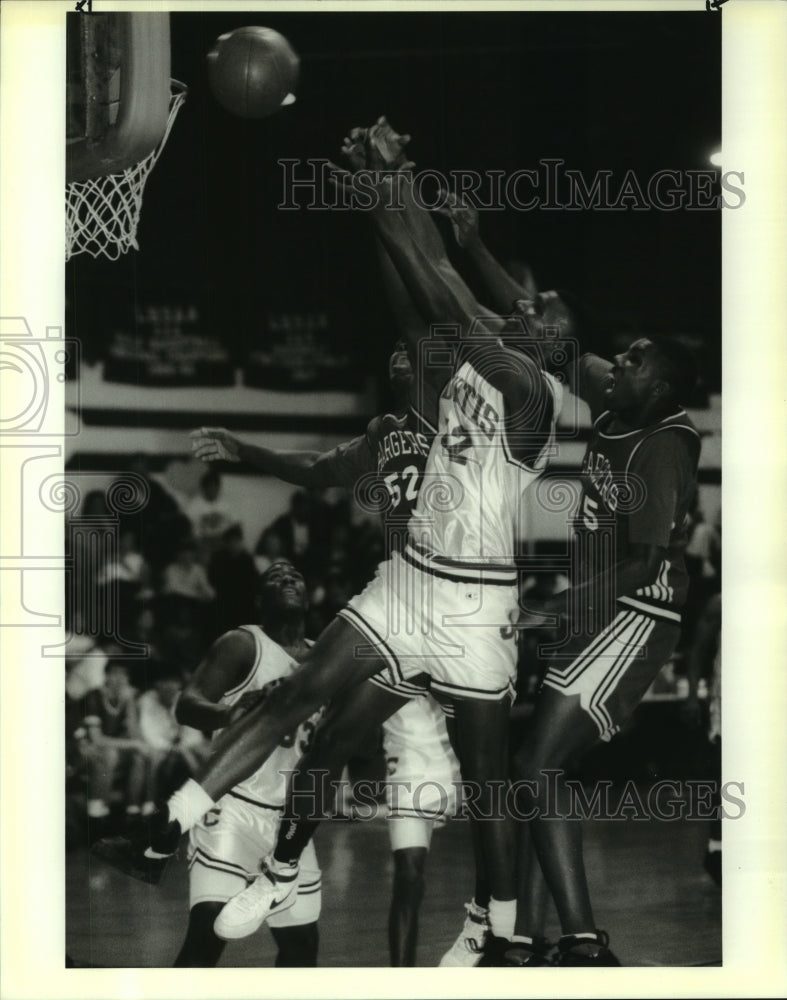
{"points": [[612, 670]]}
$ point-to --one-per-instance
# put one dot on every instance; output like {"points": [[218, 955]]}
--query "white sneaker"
{"points": [[271, 891], [466, 951]]}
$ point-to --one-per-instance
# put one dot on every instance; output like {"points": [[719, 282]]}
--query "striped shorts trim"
{"points": [[597, 671], [379, 646], [440, 687], [407, 689]]}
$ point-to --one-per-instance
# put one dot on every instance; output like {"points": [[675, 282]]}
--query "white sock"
{"points": [[97, 808], [502, 917], [189, 804], [522, 939], [714, 845], [148, 808]]}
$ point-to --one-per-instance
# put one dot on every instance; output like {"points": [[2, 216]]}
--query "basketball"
{"points": [[253, 71]]}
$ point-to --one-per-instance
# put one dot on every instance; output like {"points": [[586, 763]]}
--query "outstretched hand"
{"points": [[463, 218], [386, 147], [354, 148], [215, 444]]}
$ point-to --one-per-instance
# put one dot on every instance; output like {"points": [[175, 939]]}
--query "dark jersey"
{"points": [[392, 455], [636, 489]]}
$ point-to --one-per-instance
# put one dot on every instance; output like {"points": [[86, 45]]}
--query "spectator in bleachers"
{"points": [[160, 525], [703, 564], [210, 516], [128, 566], [186, 575], [110, 746], [176, 751]]}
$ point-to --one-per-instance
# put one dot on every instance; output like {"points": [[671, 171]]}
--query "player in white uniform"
{"points": [[423, 771], [229, 841], [444, 607]]}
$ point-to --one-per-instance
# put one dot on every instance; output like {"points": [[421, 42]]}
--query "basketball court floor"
{"points": [[649, 888]]}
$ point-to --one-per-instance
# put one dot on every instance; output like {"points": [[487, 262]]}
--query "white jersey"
{"points": [[469, 505], [268, 785]]}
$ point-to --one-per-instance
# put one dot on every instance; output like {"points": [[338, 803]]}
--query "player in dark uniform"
{"points": [[623, 608]]}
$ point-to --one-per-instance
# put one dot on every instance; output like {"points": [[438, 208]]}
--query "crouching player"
{"points": [[227, 844]]}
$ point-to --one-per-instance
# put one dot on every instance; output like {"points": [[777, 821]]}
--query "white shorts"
{"points": [[420, 784], [225, 850], [458, 633]]}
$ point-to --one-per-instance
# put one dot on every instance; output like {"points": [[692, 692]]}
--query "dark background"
{"points": [[479, 91]]}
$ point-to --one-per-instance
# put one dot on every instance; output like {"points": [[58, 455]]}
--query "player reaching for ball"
{"points": [[391, 454], [443, 606]]}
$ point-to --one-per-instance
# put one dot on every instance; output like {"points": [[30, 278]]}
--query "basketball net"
{"points": [[102, 214]]}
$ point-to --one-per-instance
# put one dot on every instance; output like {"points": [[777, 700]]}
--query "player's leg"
{"points": [[297, 946], [407, 894], [308, 800], [223, 849], [201, 949], [296, 931], [586, 696], [482, 745], [348, 722], [561, 729], [530, 944], [467, 949]]}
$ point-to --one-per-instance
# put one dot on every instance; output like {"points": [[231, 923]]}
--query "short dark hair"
{"points": [[678, 367]]}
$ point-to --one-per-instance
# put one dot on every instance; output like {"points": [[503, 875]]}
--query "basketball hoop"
{"points": [[102, 213]]}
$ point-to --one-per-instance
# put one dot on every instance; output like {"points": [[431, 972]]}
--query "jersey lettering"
{"points": [[462, 440], [400, 442], [470, 401], [598, 469]]}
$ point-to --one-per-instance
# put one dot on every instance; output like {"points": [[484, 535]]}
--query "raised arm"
{"points": [[338, 467], [437, 296], [503, 289]]}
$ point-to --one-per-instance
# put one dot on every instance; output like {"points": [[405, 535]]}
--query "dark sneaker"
{"points": [[522, 953], [494, 952], [144, 852], [573, 950]]}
